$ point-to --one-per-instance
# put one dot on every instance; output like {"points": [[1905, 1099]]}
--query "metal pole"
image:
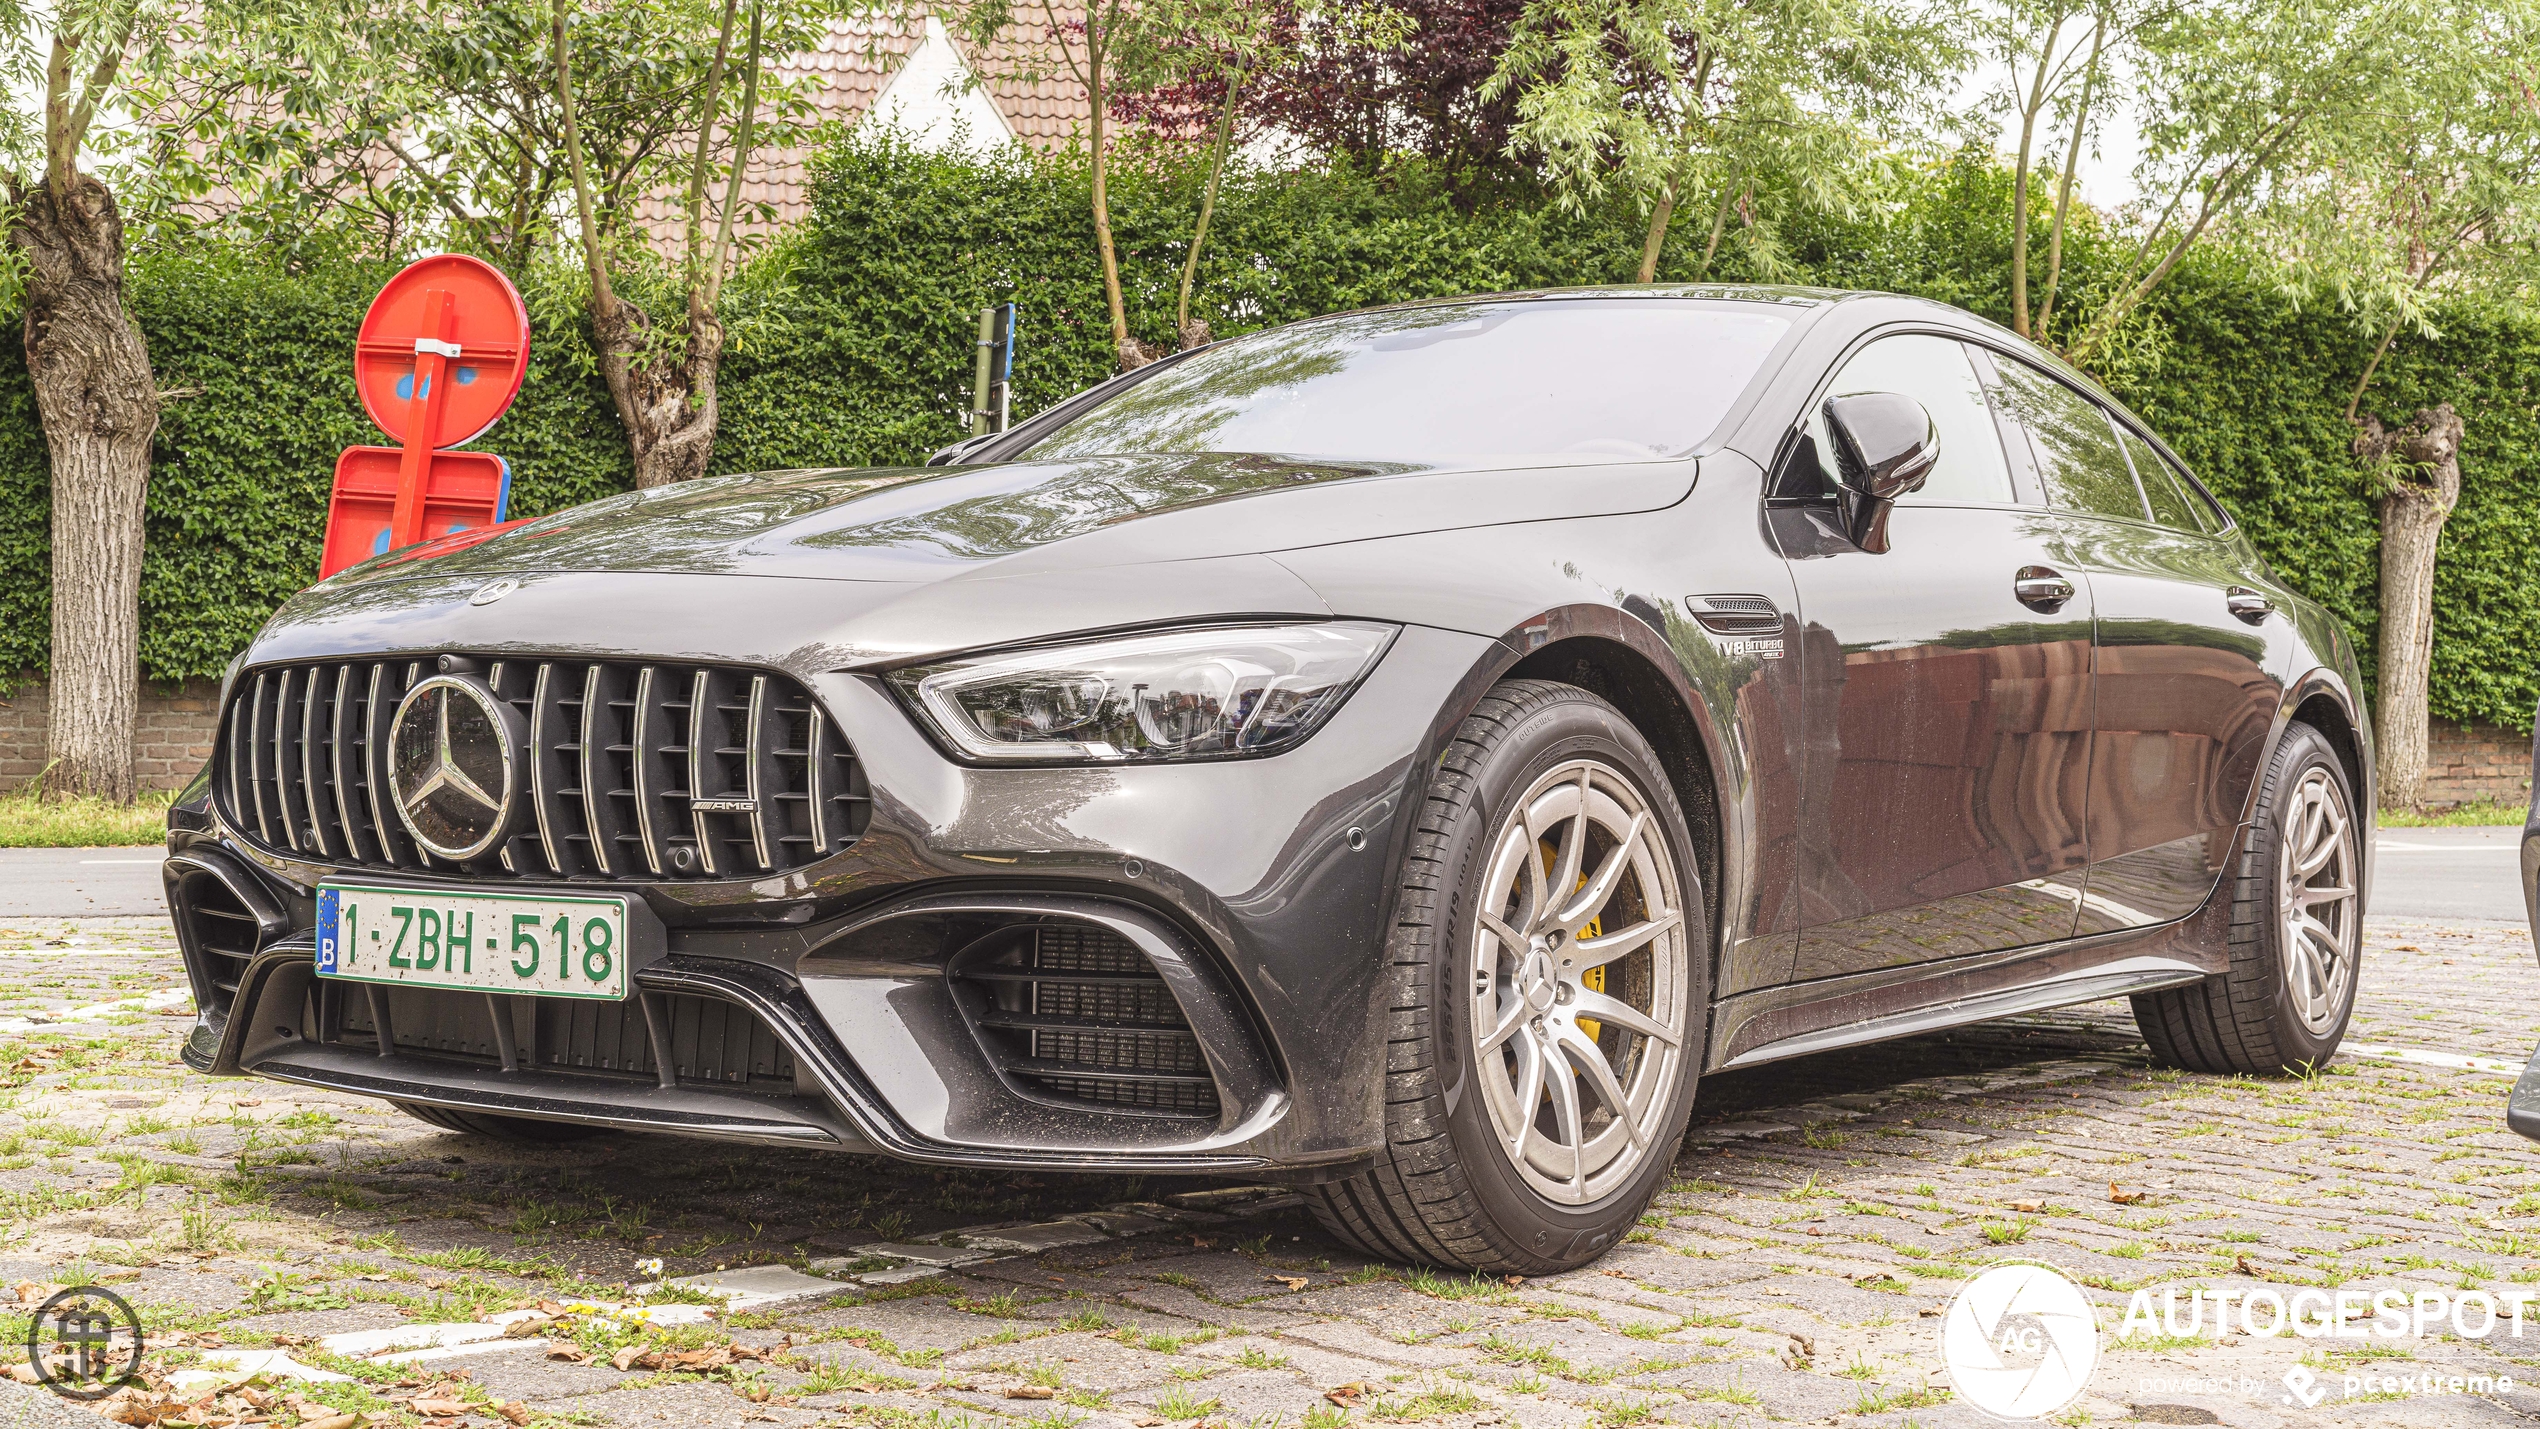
{"points": [[983, 410]]}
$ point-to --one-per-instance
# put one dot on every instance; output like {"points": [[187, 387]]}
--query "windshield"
{"points": [[1583, 380]]}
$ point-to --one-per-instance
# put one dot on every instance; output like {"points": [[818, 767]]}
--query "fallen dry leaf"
{"points": [[1293, 1282], [333, 1421], [526, 1328], [1617, 1274], [2028, 1207], [2123, 1198], [1031, 1391], [1514, 1279], [1348, 1395], [436, 1407], [514, 1410], [625, 1358], [570, 1354]]}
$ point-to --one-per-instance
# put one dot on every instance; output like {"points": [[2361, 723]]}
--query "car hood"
{"points": [[928, 523], [823, 569]]}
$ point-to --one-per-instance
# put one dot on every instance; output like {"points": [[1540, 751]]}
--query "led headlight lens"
{"points": [[1216, 693]]}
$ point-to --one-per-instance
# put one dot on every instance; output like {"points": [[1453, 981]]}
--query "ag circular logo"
{"points": [[2020, 1342], [84, 1343], [451, 771]]}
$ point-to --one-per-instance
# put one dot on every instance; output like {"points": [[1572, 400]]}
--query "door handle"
{"points": [[2041, 586], [2248, 604]]}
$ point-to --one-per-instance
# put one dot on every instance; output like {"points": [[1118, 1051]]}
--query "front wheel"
{"points": [[1550, 981], [2296, 931]]}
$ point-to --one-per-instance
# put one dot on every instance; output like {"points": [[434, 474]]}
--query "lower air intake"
{"points": [[1074, 1013]]}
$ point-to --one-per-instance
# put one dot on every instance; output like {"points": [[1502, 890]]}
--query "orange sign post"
{"points": [[441, 355]]}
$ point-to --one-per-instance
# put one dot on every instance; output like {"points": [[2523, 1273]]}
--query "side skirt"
{"points": [[1776, 1023]]}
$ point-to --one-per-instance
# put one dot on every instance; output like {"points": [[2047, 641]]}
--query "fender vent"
{"points": [[1073, 1013], [1736, 614]]}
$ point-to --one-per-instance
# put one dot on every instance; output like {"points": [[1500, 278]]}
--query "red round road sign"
{"points": [[448, 313]]}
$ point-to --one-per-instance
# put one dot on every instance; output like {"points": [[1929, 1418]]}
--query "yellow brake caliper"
{"points": [[1594, 978]]}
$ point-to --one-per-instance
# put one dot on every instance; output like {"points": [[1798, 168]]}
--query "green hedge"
{"points": [[851, 345]]}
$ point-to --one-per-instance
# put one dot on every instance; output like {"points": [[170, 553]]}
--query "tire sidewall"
{"points": [[1530, 1227], [2303, 750]]}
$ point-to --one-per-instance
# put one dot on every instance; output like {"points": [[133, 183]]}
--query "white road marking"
{"points": [[152, 1002], [137, 862], [2386, 1053], [2387, 847]]}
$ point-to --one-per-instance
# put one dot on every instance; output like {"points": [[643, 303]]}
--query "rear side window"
{"points": [[2172, 503], [2077, 452]]}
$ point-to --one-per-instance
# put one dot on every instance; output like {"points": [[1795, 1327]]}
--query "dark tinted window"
{"points": [[2173, 504], [2077, 451], [1571, 381]]}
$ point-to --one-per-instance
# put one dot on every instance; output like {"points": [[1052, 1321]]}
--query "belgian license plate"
{"points": [[534, 944]]}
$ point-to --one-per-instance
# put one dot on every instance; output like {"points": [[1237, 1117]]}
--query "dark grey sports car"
{"points": [[1396, 754]]}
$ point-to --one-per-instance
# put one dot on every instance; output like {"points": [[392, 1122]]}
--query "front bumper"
{"points": [[1255, 891]]}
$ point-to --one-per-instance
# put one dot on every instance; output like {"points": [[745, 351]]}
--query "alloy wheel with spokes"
{"points": [[2316, 879], [2285, 925], [1578, 994], [1549, 980]]}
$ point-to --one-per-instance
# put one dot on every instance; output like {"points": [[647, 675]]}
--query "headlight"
{"points": [[1217, 693]]}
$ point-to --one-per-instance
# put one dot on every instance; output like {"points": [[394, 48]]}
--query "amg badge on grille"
{"points": [[451, 766], [724, 806]]}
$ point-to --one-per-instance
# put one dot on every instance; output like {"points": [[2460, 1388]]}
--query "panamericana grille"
{"points": [[619, 754], [1074, 1012]]}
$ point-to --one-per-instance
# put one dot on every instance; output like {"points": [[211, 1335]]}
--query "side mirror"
{"points": [[1884, 445]]}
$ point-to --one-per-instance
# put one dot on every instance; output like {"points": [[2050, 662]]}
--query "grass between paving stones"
{"points": [[28, 821]]}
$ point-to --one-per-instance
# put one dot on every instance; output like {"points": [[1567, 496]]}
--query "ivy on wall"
{"points": [[851, 345]]}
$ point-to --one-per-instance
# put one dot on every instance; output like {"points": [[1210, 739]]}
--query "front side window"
{"points": [[2076, 445], [1935, 372], [1559, 382]]}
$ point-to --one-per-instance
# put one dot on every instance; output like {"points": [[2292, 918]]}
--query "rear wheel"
{"points": [[522, 1129], [1549, 989], [2296, 931]]}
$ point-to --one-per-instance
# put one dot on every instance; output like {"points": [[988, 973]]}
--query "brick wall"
{"points": [[2468, 763], [174, 739]]}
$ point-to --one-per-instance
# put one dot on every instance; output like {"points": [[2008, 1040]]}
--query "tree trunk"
{"points": [[670, 408], [99, 406], [1656, 239], [2421, 469]]}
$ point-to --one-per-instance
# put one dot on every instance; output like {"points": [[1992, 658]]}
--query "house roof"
{"points": [[1023, 74]]}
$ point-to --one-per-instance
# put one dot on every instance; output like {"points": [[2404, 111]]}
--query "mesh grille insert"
{"points": [[619, 755], [1075, 1013]]}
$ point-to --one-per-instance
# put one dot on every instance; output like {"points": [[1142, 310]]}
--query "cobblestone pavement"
{"points": [[1824, 1212]]}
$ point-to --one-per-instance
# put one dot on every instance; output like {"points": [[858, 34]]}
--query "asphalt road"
{"points": [[2452, 874], [2448, 873]]}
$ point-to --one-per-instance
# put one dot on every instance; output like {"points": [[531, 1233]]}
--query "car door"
{"points": [[2185, 690], [1946, 703]]}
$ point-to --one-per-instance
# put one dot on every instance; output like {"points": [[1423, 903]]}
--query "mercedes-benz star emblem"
{"points": [[493, 591], [450, 766]]}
